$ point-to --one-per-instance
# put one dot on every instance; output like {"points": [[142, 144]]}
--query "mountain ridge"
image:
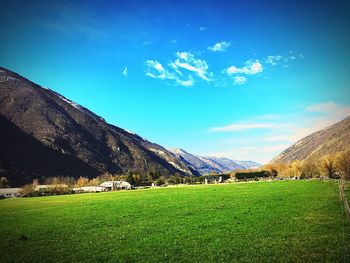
{"points": [[65, 127], [212, 164], [329, 140]]}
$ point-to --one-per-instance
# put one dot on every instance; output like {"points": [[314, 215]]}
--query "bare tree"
{"points": [[343, 163], [328, 165]]}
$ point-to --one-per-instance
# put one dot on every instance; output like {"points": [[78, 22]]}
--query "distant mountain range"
{"points": [[209, 164], [45, 134], [330, 140]]}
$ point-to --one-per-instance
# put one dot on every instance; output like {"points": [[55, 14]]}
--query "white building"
{"points": [[44, 187], [213, 180], [90, 189], [116, 185], [106, 186], [10, 192]]}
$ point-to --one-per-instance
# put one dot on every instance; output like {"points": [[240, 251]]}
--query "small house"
{"points": [[116, 185]]}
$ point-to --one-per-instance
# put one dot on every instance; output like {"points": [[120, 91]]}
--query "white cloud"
{"points": [[125, 72], [220, 46], [242, 127], [185, 83], [202, 28], [279, 59], [273, 60], [329, 108], [251, 68], [156, 70], [268, 135], [187, 61], [240, 80], [183, 70]]}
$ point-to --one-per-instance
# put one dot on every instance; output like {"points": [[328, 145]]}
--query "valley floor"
{"points": [[294, 221]]}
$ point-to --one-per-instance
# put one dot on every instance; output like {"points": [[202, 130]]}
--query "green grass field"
{"points": [[295, 221]]}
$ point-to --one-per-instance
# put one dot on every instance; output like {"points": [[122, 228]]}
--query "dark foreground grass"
{"points": [[295, 221]]}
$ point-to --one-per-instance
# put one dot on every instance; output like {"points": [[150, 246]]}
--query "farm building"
{"points": [[90, 189], [45, 187], [10, 192], [213, 179], [116, 185], [106, 186]]}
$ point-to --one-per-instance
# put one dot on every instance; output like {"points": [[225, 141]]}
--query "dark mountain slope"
{"points": [[330, 140], [26, 158], [73, 132]]}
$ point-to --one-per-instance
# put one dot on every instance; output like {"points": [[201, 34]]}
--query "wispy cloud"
{"points": [[125, 72], [72, 20], [240, 80], [185, 83], [156, 70], [146, 43], [220, 46], [241, 127], [262, 137], [329, 107], [187, 60], [270, 134], [275, 60], [202, 28], [184, 70], [251, 67]]}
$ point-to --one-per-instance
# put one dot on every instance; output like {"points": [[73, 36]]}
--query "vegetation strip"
{"points": [[344, 199]]}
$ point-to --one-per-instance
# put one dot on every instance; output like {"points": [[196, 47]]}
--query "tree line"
{"points": [[330, 166], [64, 185]]}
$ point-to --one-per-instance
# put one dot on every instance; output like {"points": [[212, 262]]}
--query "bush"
{"points": [[252, 175]]}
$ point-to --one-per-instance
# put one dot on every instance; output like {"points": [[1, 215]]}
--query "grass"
{"points": [[347, 191], [293, 221]]}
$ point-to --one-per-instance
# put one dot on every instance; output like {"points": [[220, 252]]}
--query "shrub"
{"points": [[252, 175]]}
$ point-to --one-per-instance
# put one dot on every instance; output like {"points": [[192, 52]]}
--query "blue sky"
{"points": [[241, 79]]}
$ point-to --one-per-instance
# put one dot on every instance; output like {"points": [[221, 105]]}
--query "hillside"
{"points": [[332, 139], [210, 164], [44, 134]]}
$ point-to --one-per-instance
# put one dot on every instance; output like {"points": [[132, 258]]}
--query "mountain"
{"points": [[196, 162], [45, 134], [248, 164], [330, 140], [209, 164]]}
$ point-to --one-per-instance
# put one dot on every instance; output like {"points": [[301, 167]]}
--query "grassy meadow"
{"points": [[293, 221]]}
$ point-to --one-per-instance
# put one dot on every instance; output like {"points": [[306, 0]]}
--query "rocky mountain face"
{"points": [[330, 140], [44, 134], [209, 164]]}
